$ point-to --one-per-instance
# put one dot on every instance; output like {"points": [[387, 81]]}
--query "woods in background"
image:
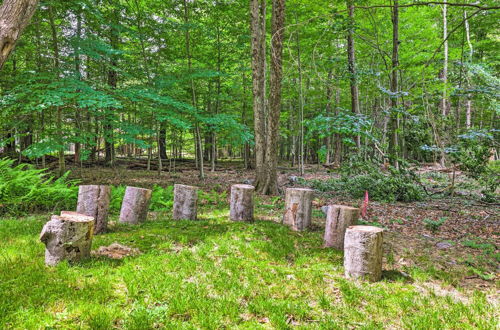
{"points": [[392, 82]]}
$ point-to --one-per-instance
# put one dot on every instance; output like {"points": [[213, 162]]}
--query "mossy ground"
{"points": [[214, 273]]}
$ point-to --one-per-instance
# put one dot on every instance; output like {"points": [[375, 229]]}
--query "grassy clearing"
{"points": [[213, 274]]}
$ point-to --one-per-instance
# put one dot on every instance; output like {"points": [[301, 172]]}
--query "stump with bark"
{"points": [[363, 252], [338, 218], [185, 202], [298, 207], [67, 237], [135, 205], [93, 200], [241, 207]]}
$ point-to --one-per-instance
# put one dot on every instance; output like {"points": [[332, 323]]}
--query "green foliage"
{"points": [[25, 189], [360, 176], [472, 156], [434, 225]]}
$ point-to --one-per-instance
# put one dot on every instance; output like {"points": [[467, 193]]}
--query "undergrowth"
{"points": [[356, 178], [25, 189]]}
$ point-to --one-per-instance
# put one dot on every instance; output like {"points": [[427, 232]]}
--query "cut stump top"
{"points": [[73, 216], [371, 229], [243, 186]]}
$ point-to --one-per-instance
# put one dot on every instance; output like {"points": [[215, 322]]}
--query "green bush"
{"points": [[24, 189], [434, 225], [399, 185], [162, 199]]}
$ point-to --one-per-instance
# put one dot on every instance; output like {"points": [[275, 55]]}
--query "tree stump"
{"points": [[363, 252], [338, 218], [67, 237], [241, 208], [93, 200], [298, 206], [135, 205], [185, 200]]}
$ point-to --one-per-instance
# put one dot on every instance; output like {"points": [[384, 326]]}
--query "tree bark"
{"points": [[135, 205], [298, 208], [363, 252], [270, 185], [394, 117], [258, 44], [185, 202], [93, 200], [351, 64], [67, 237], [338, 219], [15, 15], [241, 208]]}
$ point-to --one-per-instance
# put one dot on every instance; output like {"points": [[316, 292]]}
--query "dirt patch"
{"points": [[116, 251]]}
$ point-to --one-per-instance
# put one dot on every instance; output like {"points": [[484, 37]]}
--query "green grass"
{"points": [[212, 274]]}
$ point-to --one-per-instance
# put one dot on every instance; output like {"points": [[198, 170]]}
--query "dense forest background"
{"points": [[393, 82]]}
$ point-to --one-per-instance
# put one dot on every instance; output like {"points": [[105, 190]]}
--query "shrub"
{"points": [[434, 225], [162, 199], [24, 189], [399, 185]]}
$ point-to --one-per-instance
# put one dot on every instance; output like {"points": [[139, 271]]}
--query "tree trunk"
{"points": [[258, 43], [15, 15], [394, 118], [298, 208], [351, 64], [185, 202], [270, 186], [363, 252], [162, 142], [67, 237], [93, 200], [135, 205], [241, 208], [112, 82], [338, 219]]}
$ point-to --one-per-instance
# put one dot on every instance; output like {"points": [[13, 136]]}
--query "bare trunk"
{"points": [[363, 252], [258, 43], [15, 15], [351, 64], [135, 205], [394, 118], [241, 208], [298, 208], [185, 202]]}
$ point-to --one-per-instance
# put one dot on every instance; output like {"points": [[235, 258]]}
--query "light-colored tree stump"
{"points": [[241, 207], [298, 207], [93, 200], [67, 237], [185, 202], [363, 252], [135, 205], [338, 218]]}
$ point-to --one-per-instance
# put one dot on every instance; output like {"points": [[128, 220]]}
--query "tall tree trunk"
{"points": [[197, 135], [15, 15], [468, 108], [109, 154], [394, 120], [273, 120], [55, 48], [258, 43], [351, 64], [301, 107]]}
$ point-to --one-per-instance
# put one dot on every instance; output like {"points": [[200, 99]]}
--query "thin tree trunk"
{"points": [[351, 64], [301, 107], [394, 120]]}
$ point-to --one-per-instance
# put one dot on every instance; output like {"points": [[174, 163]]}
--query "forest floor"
{"points": [[216, 273]]}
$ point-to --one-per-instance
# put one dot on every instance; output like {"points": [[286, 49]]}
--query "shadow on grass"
{"points": [[396, 276]]}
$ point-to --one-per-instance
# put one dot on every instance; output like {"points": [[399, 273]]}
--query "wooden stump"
{"points": [[93, 200], [298, 206], [338, 218], [363, 252], [241, 208], [185, 200], [67, 237], [135, 205]]}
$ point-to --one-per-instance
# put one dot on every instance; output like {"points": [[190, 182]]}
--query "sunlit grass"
{"points": [[214, 273]]}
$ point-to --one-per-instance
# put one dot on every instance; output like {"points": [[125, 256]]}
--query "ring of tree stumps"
{"points": [[68, 236]]}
